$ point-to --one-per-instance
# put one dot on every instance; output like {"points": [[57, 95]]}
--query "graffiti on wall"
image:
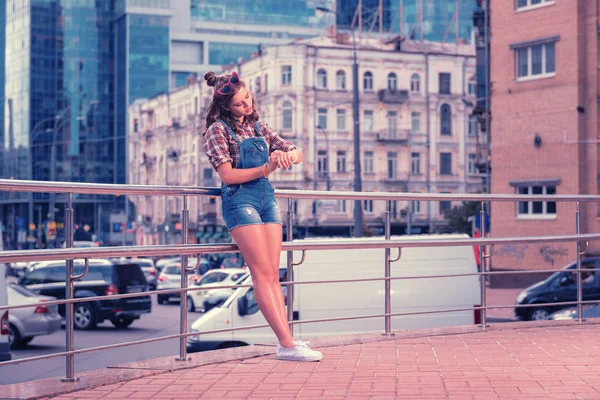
{"points": [[549, 252]]}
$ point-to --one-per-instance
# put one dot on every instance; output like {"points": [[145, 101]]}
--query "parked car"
{"points": [[5, 353], [26, 323], [170, 278], [559, 287], [233, 261], [103, 278], [215, 277], [589, 311], [147, 265], [163, 262]]}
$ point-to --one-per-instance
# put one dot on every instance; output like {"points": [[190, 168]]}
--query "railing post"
{"points": [[69, 334], [290, 266], [185, 215], [387, 282], [579, 284], [483, 277]]}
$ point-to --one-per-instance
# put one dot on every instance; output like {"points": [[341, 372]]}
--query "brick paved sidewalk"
{"points": [[542, 362]]}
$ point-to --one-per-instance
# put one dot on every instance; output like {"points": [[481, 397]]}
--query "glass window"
{"points": [[322, 118], [368, 121], [392, 165], [369, 168], [473, 125], [368, 81], [444, 78], [392, 119], [340, 80], [415, 163], [287, 116], [415, 83], [341, 161], [322, 162], [322, 79], [444, 206], [531, 3], [392, 82], [368, 206], [550, 58], [286, 75], [472, 164], [229, 53], [341, 119], [445, 120], [415, 122], [522, 62], [533, 208], [536, 61], [445, 163]]}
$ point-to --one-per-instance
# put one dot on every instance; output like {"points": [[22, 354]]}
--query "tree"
{"points": [[458, 217]]}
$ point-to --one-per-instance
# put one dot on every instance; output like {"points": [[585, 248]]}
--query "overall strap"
{"points": [[257, 129], [231, 132]]}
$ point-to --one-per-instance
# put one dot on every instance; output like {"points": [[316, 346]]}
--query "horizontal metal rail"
{"points": [[347, 244], [10, 185], [286, 283], [243, 328]]}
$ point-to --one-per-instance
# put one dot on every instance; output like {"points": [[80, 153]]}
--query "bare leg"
{"points": [[253, 243], [274, 238]]}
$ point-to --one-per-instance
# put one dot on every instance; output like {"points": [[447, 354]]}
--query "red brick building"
{"points": [[544, 80]]}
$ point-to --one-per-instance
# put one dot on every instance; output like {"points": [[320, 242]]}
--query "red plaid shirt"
{"points": [[221, 147]]}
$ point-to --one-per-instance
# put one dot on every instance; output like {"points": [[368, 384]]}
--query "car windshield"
{"points": [[172, 270]]}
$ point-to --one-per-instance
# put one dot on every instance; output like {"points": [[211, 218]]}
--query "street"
{"points": [[164, 320]]}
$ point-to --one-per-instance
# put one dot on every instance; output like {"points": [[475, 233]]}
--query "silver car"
{"points": [[26, 323]]}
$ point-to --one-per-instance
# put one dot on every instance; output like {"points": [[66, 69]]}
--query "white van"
{"points": [[5, 353], [334, 300]]}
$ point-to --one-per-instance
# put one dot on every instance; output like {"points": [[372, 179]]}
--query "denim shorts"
{"points": [[251, 203]]}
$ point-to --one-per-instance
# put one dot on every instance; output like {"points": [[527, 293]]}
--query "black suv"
{"points": [[103, 278], [559, 287]]}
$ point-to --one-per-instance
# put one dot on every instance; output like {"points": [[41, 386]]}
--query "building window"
{"points": [[536, 208], [369, 169], [341, 161], [526, 4], [368, 121], [340, 80], [322, 163], [342, 206], [368, 81], [393, 209], [341, 119], [445, 163], [136, 125], [473, 125], [445, 206], [416, 206], [287, 116], [472, 89], [392, 165], [444, 83], [415, 163], [257, 85], [392, 81], [392, 118], [415, 122], [322, 79], [286, 75], [322, 118], [415, 83], [266, 83], [472, 164], [536, 61], [445, 120], [368, 206]]}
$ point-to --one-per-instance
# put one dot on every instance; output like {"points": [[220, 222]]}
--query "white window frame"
{"points": [[530, 6], [287, 107], [342, 207], [392, 165], [472, 87], [321, 114], [416, 206], [449, 172], [415, 119], [340, 80], [473, 127], [340, 162], [286, 75], [472, 164], [369, 87], [368, 123], [392, 123], [369, 160], [392, 81], [321, 79], [530, 214], [368, 206], [340, 119], [530, 76], [415, 83], [415, 163], [322, 163]]}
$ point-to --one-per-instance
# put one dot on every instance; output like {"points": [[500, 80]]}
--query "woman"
{"points": [[244, 152]]}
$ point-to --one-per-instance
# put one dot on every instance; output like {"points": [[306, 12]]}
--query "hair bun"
{"points": [[211, 78]]}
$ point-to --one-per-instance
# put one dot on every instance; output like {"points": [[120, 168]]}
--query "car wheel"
{"points": [[84, 317], [14, 337], [26, 340], [539, 314], [190, 304], [122, 322]]}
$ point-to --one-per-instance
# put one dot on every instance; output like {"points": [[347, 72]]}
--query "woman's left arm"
{"points": [[289, 152]]}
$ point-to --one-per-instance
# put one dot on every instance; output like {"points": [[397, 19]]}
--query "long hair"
{"points": [[218, 107]]}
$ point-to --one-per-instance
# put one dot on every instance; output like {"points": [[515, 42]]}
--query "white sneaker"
{"points": [[300, 352]]}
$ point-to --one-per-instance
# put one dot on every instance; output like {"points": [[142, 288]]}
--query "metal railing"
{"points": [[185, 250]]}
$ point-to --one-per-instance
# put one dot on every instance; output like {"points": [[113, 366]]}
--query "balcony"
{"points": [[397, 136], [393, 96]]}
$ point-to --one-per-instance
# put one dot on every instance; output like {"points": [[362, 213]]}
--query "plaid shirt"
{"points": [[221, 147]]}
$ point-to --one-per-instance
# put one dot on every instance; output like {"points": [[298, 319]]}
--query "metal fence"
{"points": [[69, 254]]}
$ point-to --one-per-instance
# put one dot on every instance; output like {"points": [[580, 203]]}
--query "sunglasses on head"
{"points": [[234, 79]]}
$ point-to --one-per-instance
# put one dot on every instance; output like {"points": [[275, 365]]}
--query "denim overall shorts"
{"points": [[253, 202]]}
